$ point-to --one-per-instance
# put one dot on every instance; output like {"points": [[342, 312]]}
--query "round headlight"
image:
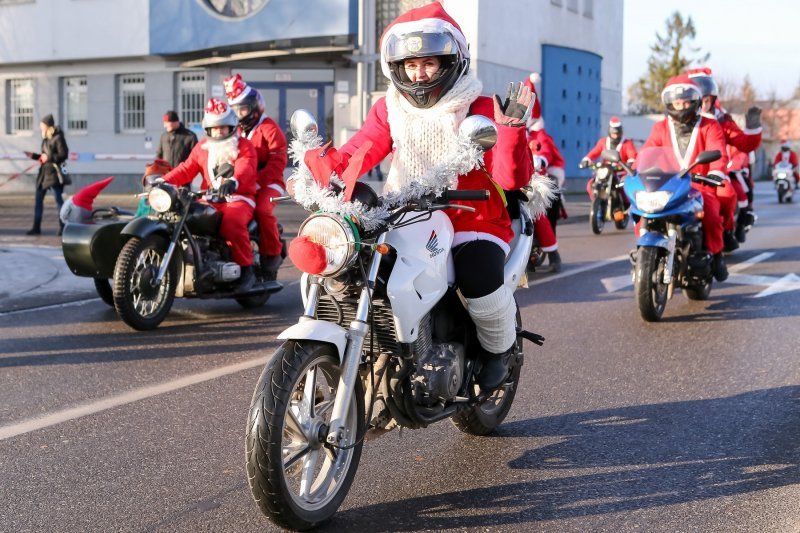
{"points": [[334, 234], [602, 173], [160, 200]]}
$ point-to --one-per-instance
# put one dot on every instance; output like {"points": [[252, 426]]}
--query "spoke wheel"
{"points": [[139, 302], [651, 292], [298, 480]]}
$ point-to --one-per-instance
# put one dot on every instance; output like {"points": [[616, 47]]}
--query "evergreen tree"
{"points": [[671, 55]]}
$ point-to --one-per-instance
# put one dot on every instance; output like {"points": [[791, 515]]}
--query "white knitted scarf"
{"points": [[426, 138]]}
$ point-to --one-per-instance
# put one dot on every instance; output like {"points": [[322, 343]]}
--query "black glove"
{"points": [[511, 107], [225, 171], [228, 187], [752, 119]]}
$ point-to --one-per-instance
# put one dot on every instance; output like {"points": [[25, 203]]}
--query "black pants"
{"points": [[479, 267]]}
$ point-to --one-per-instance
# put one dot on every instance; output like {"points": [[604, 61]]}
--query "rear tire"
{"points": [[253, 302], [483, 419], [104, 290], [699, 292], [597, 215], [651, 293], [290, 472]]}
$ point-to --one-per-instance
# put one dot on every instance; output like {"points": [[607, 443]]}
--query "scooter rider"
{"points": [[614, 141], [688, 133], [787, 155], [270, 145], [745, 140], [228, 164], [425, 55]]}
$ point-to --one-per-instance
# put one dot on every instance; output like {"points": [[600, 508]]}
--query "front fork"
{"points": [[359, 328], [672, 235]]}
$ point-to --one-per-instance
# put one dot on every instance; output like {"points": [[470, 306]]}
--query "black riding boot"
{"points": [[246, 280], [554, 261], [729, 241], [719, 268], [269, 266], [494, 370]]}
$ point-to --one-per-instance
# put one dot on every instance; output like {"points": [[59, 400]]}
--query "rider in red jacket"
{"points": [[228, 164], [614, 141], [688, 133], [787, 155], [547, 159], [270, 145], [425, 55]]}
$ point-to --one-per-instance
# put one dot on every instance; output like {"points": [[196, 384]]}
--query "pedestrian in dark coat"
{"points": [[177, 142], [53, 153]]}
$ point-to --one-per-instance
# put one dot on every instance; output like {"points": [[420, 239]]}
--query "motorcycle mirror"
{"points": [[708, 156], [480, 130], [303, 121], [611, 156]]}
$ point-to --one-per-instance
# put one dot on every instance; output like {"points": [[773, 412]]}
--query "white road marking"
{"points": [[33, 424], [578, 270]]}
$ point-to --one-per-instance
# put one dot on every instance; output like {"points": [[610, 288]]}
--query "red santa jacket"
{"points": [[540, 143], [707, 135], [791, 158], [737, 159], [244, 170], [508, 165], [746, 141], [271, 151], [626, 149]]}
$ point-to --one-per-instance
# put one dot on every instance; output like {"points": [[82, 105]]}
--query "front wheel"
{"points": [[651, 292], [139, 302], [781, 194], [297, 480], [597, 216], [483, 419]]}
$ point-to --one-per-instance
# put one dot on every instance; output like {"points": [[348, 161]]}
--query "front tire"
{"points": [[483, 419], [597, 215], [296, 480], [139, 303], [651, 292]]}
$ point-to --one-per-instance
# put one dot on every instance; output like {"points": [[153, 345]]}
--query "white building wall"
{"points": [[58, 30]]}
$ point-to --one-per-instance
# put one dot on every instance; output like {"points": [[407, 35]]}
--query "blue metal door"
{"points": [[284, 98], [571, 102]]}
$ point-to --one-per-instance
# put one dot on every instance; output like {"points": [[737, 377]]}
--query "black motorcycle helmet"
{"points": [[682, 88], [615, 130], [248, 109]]}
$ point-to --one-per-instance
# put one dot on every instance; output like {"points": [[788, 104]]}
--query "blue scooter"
{"points": [[669, 247]]}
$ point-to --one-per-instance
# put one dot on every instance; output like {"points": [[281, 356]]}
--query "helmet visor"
{"points": [[418, 44], [684, 92], [708, 87]]}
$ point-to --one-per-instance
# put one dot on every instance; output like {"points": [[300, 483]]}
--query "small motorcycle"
{"points": [[669, 249], [176, 252], [783, 180], [608, 203], [384, 342]]}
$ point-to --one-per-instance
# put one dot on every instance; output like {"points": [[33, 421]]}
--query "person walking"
{"points": [[176, 142], [53, 153]]}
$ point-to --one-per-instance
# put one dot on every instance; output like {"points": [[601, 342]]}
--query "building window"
{"points": [[558, 3], [191, 97], [588, 8], [76, 104], [131, 103], [20, 105], [572, 5], [385, 12]]}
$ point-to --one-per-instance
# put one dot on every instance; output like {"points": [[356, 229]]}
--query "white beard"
{"points": [[426, 138], [219, 153]]}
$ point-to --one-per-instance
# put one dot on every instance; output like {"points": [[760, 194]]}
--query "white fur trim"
{"points": [[535, 78], [552, 248], [461, 237], [754, 131], [558, 174], [276, 187]]}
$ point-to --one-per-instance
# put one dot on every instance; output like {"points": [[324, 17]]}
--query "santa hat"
{"points": [[615, 122], [235, 89], [699, 71], [537, 124], [85, 197], [682, 80], [534, 79], [431, 18]]}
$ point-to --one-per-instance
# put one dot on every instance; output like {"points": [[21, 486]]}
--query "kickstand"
{"points": [[535, 338]]}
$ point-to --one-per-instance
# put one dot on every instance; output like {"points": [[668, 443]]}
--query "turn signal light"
{"points": [[383, 249], [700, 215], [619, 216]]}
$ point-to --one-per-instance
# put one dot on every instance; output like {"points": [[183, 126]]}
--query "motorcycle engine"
{"points": [[225, 272], [440, 371]]}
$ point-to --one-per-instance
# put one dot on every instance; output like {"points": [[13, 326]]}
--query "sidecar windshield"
{"points": [[657, 162]]}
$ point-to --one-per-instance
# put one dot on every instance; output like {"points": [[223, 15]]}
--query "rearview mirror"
{"points": [[480, 130], [612, 156], [709, 156], [303, 121]]}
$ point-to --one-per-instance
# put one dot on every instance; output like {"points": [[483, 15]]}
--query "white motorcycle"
{"points": [[385, 341], [783, 180]]}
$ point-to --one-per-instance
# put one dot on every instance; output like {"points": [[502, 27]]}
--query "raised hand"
{"points": [[515, 110]]}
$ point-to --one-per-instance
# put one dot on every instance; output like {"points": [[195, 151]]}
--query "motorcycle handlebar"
{"points": [[477, 195], [708, 180]]}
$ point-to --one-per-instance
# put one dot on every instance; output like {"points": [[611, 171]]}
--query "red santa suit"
{"points": [[706, 135], [739, 169], [237, 212], [627, 153], [791, 158], [542, 145]]}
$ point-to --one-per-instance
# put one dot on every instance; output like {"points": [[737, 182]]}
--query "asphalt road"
{"points": [[690, 424]]}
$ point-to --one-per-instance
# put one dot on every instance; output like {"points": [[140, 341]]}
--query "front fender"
{"points": [[652, 238], [143, 226], [317, 330]]}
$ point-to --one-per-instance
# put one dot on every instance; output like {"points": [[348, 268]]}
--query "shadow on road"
{"points": [[641, 457]]}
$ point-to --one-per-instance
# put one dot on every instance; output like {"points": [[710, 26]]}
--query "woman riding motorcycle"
{"points": [[425, 55]]}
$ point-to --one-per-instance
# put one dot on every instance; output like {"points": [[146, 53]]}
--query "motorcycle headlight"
{"points": [[782, 175], [602, 173], [161, 199], [652, 202], [336, 235]]}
